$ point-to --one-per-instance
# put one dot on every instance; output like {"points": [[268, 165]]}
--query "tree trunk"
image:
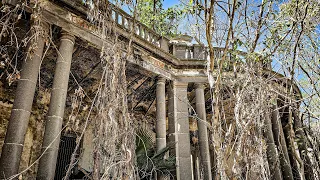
{"points": [[272, 154], [301, 141], [286, 131], [281, 144]]}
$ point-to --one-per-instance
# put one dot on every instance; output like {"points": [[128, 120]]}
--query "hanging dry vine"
{"points": [[114, 137], [241, 149]]}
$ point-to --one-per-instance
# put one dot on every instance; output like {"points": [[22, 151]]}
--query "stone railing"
{"points": [[194, 52], [125, 22], [185, 51], [181, 50]]}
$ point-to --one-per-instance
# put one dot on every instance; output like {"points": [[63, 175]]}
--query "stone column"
{"points": [[179, 129], [196, 165], [161, 117], [51, 140], [21, 110], [280, 141], [203, 131], [161, 114]]}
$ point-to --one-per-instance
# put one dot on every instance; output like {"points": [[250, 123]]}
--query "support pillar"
{"points": [[51, 140], [203, 131], [179, 129], [196, 165], [272, 153], [21, 110], [280, 141], [161, 114], [161, 117]]}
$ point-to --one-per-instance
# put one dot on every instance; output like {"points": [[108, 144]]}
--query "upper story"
{"points": [[175, 59], [172, 58]]}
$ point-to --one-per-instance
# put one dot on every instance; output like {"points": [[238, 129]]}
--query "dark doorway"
{"points": [[66, 148]]}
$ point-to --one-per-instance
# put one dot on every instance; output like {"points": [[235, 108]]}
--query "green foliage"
{"points": [[152, 14], [148, 159]]}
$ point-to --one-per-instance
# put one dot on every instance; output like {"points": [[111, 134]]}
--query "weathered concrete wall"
{"points": [[86, 156], [5, 109]]}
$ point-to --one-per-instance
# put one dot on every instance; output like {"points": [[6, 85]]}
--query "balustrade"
{"points": [[181, 50], [125, 21]]}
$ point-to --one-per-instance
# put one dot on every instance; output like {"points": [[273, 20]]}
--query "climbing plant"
{"points": [[286, 32], [150, 162]]}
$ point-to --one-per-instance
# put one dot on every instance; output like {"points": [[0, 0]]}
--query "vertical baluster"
{"points": [[157, 42], [191, 53], [146, 35], [142, 32], [149, 37], [186, 53], [123, 21], [116, 17], [126, 24], [136, 28]]}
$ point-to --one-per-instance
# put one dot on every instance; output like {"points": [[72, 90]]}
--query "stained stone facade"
{"points": [[165, 81]]}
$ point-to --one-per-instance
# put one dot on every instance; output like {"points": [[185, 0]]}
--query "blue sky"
{"points": [[166, 4], [170, 3]]}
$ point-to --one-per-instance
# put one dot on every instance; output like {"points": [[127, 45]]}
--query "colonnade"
{"points": [[178, 126], [20, 114], [51, 140]]}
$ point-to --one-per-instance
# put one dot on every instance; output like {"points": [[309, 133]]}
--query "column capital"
{"points": [[199, 85], [161, 79], [179, 84], [40, 27], [65, 35]]}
